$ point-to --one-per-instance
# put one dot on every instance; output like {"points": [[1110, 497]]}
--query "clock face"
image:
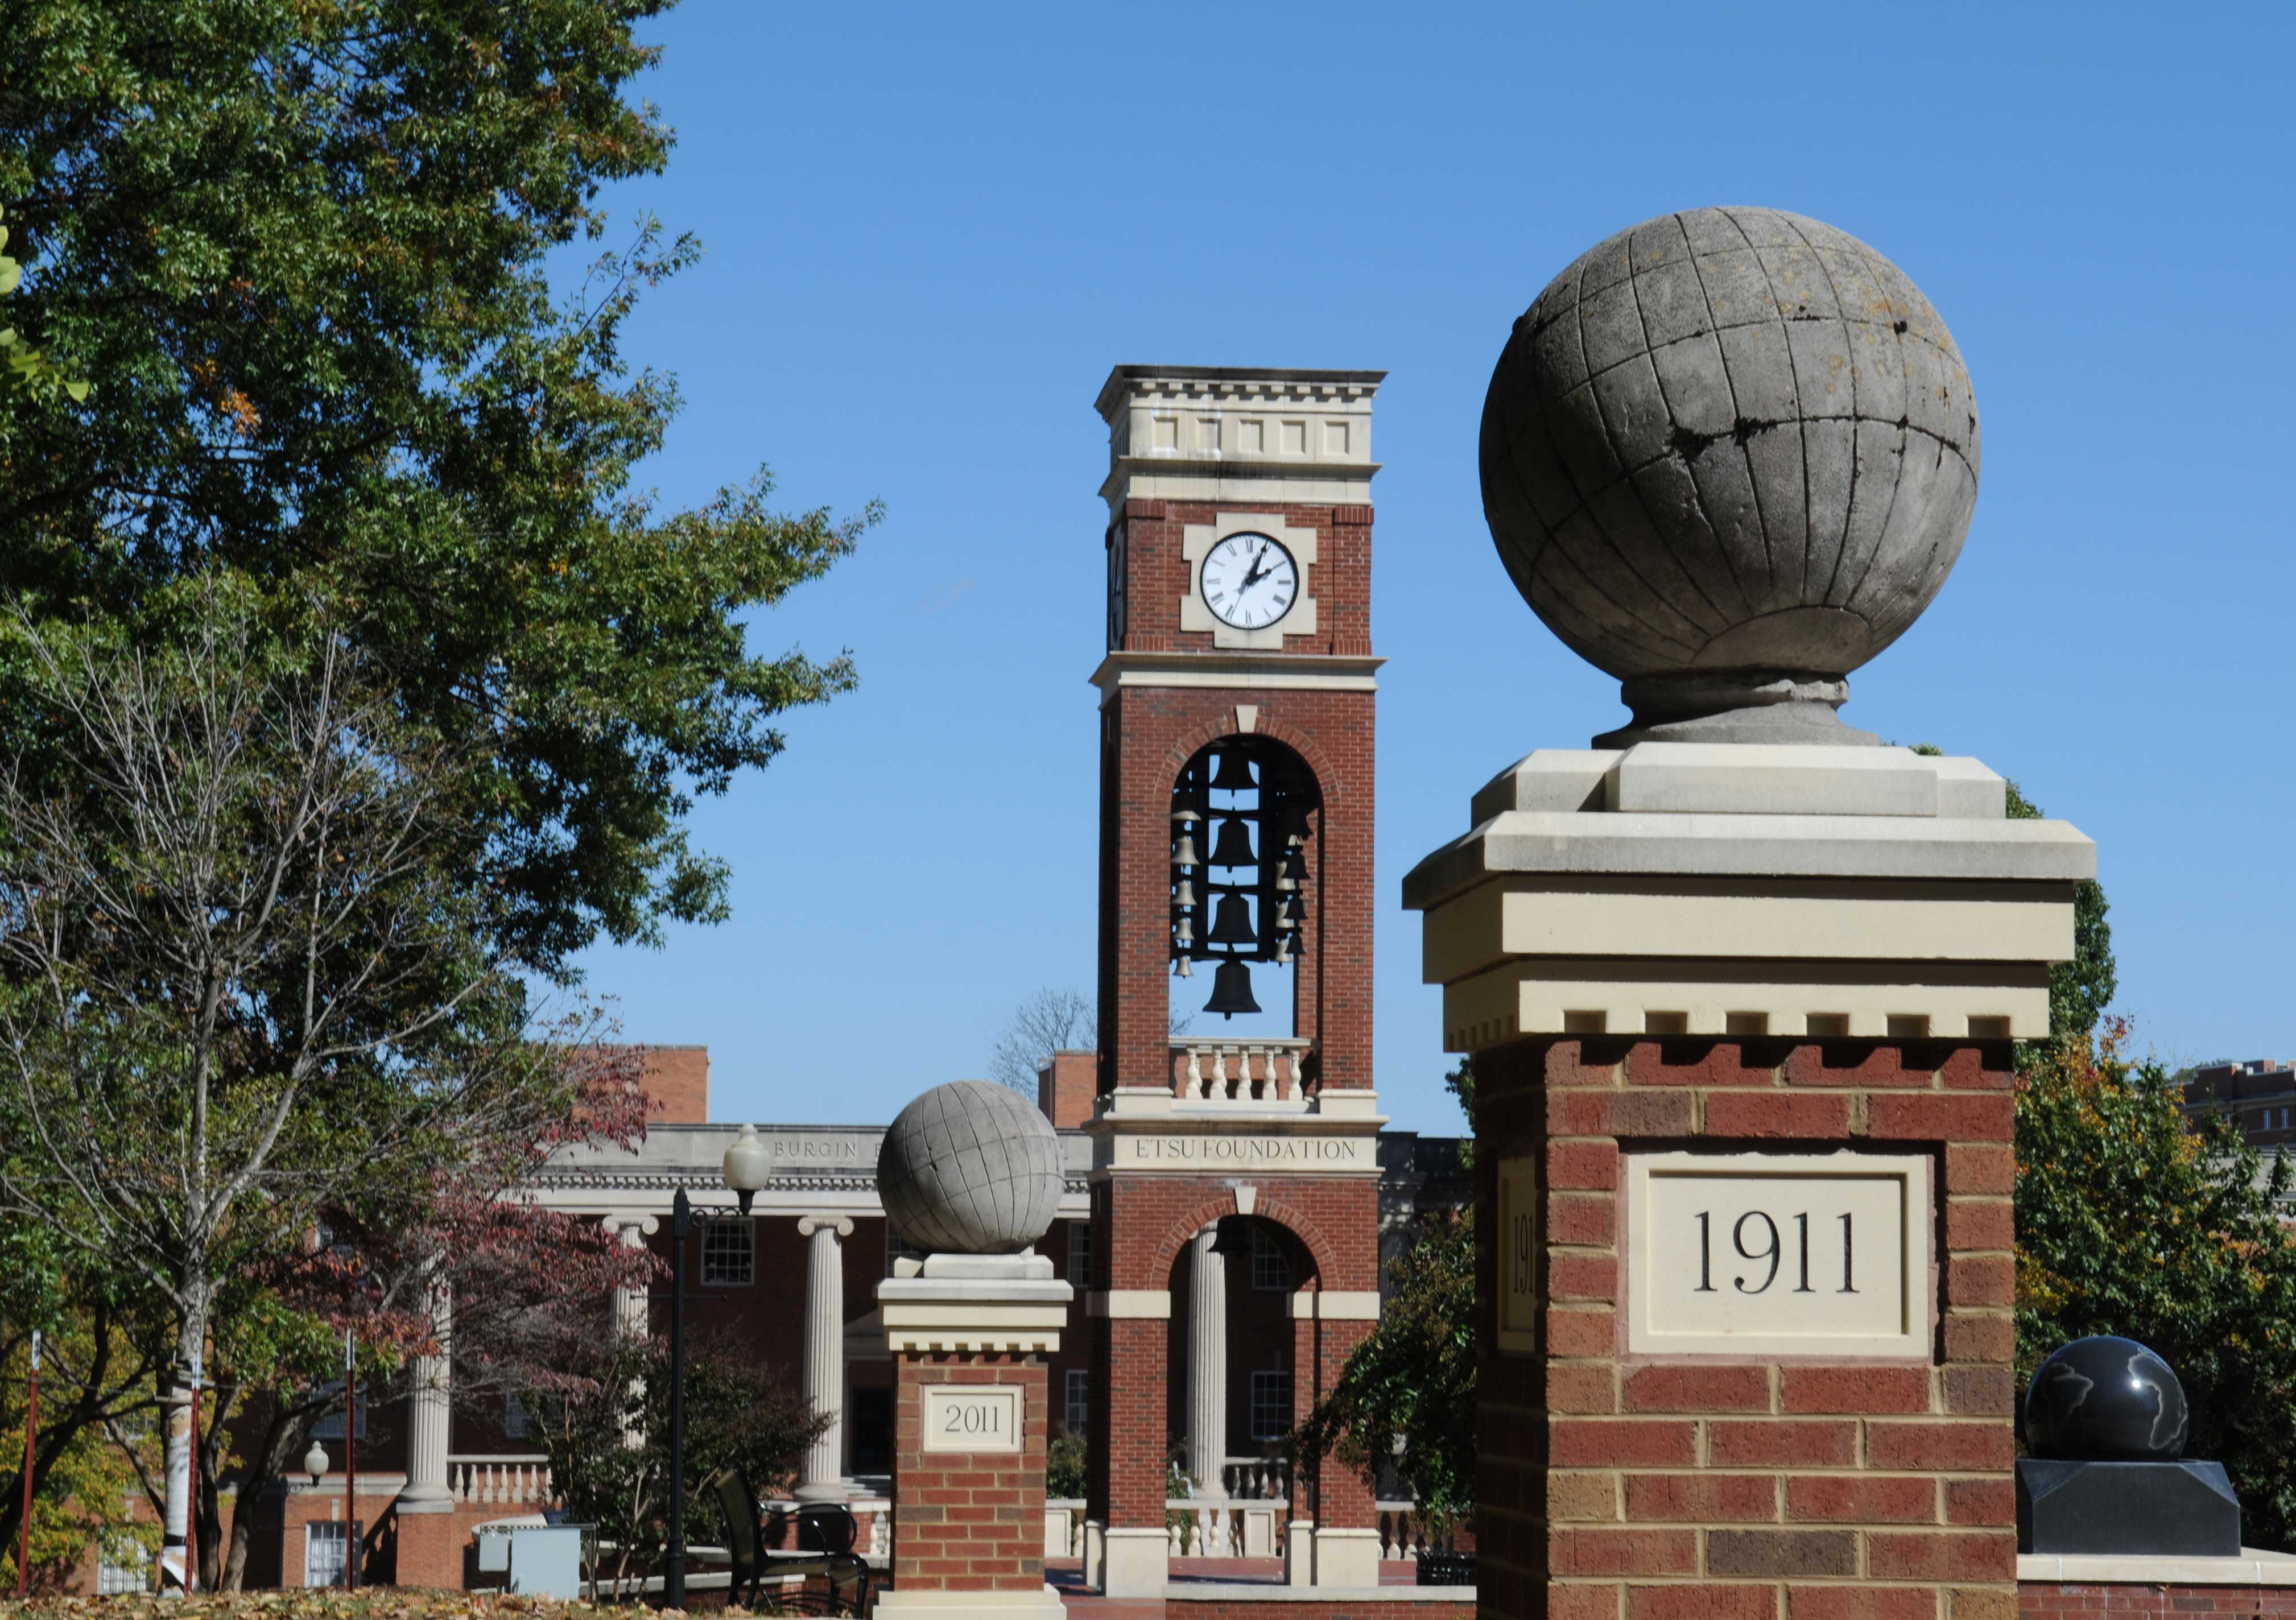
{"points": [[1250, 581]]}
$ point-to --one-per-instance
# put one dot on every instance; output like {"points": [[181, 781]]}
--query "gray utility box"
{"points": [[541, 1560]]}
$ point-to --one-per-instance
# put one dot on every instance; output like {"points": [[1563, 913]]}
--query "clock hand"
{"points": [[1257, 571]]}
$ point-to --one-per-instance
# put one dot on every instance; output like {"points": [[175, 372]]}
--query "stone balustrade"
{"points": [[1255, 1076]]}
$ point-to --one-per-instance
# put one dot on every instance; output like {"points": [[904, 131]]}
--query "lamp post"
{"points": [[747, 1166], [350, 1460]]}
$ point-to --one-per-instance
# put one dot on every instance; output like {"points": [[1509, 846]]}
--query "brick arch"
{"points": [[1212, 1205], [1192, 742]]}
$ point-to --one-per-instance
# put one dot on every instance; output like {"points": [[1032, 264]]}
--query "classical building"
{"points": [[1229, 1199]]}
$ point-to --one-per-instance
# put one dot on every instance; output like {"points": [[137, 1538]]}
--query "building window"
{"points": [[324, 1547], [1271, 1404], [331, 1427], [729, 1254], [1271, 1267], [517, 1423], [1080, 1253], [1077, 1413]]}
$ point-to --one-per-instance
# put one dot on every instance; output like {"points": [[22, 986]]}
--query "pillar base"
{"points": [[832, 1490], [1132, 1562], [1042, 1604], [1347, 1557], [1299, 1552], [1095, 1553]]}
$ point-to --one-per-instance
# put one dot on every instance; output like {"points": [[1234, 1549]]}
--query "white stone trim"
{"points": [[2255, 1566], [1237, 671], [1130, 1302], [1196, 543], [924, 1603], [1335, 1305]]}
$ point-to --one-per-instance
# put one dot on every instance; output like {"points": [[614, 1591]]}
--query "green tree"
{"points": [[29, 370], [604, 1422], [2133, 1220], [305, 247], [1408, 1393], [2081, 989]]}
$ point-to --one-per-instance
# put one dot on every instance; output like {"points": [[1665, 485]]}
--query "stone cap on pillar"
{"points": [[962, 1303], [1792, 891]]}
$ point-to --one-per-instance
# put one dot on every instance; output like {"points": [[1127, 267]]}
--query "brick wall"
{"points": [[1143, 1223], [968, 1521], [1150, 733], [1613, 1490], [677, 1078], [1065, 1084]]}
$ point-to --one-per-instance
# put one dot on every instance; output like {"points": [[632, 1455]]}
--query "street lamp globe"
{"points": [[748, 1165], [316, 1462]]}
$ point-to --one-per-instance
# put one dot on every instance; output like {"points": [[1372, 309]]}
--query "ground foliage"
{"points": [[603, 1420], [2133, 1220]]}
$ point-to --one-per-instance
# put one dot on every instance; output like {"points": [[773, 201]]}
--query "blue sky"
{"points": [[931, 230]]}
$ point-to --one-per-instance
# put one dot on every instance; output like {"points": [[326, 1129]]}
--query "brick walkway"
{"points": [[1068, 1578]]}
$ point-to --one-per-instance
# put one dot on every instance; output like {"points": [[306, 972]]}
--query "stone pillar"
{"points": [[822, 1478], [630, 1312], [968, 1334], [1207, 1363], [1743, 1020], [430, 1404]]}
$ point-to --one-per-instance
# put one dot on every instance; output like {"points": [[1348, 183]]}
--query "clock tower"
{"points": [[1237, 793]]}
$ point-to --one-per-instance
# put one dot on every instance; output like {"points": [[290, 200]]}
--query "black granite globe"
{"points": [[2106, 1400]]}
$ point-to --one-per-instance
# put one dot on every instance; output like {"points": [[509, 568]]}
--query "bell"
{"points": [[1232, 845], [1186, 933], [1283, 918], [1283, 950], [1232, 923], [1186, 854], [1295, 865], [1185, 894], [1284, 883], [1232, 990], [1180, 968], [1232, 773]]}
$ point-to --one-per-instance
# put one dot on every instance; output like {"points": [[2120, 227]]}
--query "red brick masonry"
{"points": [[968, 1521], [2039, 1601], [1613, 1490]]}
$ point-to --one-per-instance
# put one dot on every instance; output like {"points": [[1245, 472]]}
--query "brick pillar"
{"points": [[968, 1334], [1743, 1019]]}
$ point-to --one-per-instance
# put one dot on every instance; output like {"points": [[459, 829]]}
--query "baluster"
{"points": [[549, 1493], [1195, 1081]]}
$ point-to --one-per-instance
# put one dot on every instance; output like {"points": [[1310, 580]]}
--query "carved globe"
{"points": [[1728, 455], [970, 1168], [2106, 1400]]}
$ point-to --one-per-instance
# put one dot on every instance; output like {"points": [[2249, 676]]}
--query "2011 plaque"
{"points": [[1778, 1253], [972, 1418]]}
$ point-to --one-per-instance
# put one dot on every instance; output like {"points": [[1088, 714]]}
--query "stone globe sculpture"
{"points": [[970, 1168], [1728, 456], [2105, 1399]]}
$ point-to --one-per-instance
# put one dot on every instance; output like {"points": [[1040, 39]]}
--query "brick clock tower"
{"points": [[1236, 729]]}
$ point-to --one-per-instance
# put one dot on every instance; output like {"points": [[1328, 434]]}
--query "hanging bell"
{"points": [[1295, 821], [1232, 845], [1283, 918], [1185, 932], [1295, 865], [1284, 883], [1232, 773], [1231, 1238], [1283, 950], [1180, 968], [1184, 852], [1232, 990], [1232, 923], [1185, 893]]}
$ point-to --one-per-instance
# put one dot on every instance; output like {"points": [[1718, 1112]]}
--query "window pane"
{"points": [[1271, 1267], [729, 1254], [1080, 1253], [1078, 1416], [323, 1553], [1271, 1404]]}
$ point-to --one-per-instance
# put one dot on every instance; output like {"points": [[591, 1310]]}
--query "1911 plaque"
{"points": [[1778, 1253]]}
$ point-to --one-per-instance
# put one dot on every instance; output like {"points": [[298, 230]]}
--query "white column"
{"points": [[630, 1303], [1206, 1364], [824, 1475], [431, 1406]]}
